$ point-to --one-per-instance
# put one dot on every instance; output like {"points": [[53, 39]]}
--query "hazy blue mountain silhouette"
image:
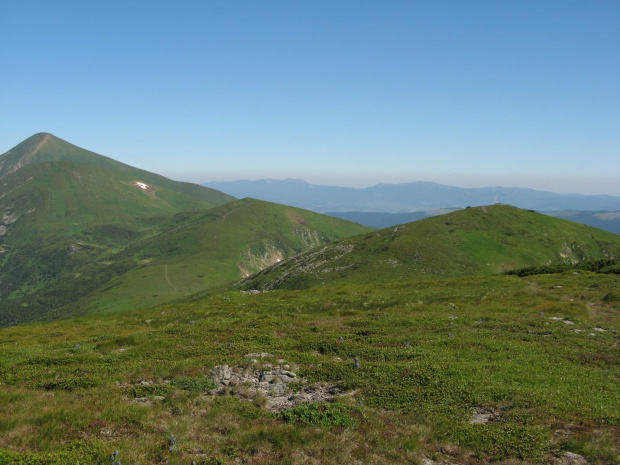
{"points": [[408, 197]]}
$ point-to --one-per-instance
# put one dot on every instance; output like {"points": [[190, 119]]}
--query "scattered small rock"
{"points": [[148, 400], [570, 458], [73, 249], [482, 416], [259, 355]]}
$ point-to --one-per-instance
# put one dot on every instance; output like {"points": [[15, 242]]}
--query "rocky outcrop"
{"points": [[274, 387]]}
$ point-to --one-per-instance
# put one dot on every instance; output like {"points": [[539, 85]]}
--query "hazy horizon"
{"points": [[470, 94], [595, 188]]}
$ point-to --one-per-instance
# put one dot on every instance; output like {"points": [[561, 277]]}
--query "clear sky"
{"points": [[468, 93]]}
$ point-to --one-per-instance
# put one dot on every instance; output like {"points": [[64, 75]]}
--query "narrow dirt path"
{"points": [[169, 282], [38, 147]]}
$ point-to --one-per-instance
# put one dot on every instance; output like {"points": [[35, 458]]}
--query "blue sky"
{"points": [[469, 93]]}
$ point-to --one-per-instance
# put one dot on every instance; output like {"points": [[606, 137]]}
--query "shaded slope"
{"points": [[474, 241], [150, 260], [64, 211], [200, 250]]}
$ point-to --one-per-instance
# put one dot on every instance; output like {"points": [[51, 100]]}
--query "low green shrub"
{"points": [[193, 384], [323, 415]]}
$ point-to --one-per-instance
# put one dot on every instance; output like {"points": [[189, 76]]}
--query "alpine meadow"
{"points": [[153, 321]]}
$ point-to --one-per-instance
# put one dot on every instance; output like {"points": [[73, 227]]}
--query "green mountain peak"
{"points": [[45, 147]]}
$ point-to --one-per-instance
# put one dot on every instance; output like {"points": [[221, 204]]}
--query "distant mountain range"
{"points": [[408, 197]]}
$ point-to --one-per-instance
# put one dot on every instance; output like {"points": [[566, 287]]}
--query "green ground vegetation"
{"points": [[538, 354]]}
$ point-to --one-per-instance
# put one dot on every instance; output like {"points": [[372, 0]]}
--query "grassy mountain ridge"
{"points": [[80, 232], [474, 241], [605, 220], [200, 250]]}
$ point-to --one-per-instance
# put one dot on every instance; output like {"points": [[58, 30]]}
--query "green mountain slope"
{"points": [[201, 250], [481, 370], [80, 232], [63, 208], [474, 241]]}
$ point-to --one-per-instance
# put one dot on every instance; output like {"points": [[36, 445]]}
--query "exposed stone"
{"points": [[570, 458], [271, 382], [259, 355], [482, 416], [148, 400], [72, 249], [221, 374]]}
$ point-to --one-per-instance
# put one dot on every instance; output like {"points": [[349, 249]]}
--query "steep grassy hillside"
{"points": [[64, 211], [474, 241], [480, 370], [200, 250]]}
